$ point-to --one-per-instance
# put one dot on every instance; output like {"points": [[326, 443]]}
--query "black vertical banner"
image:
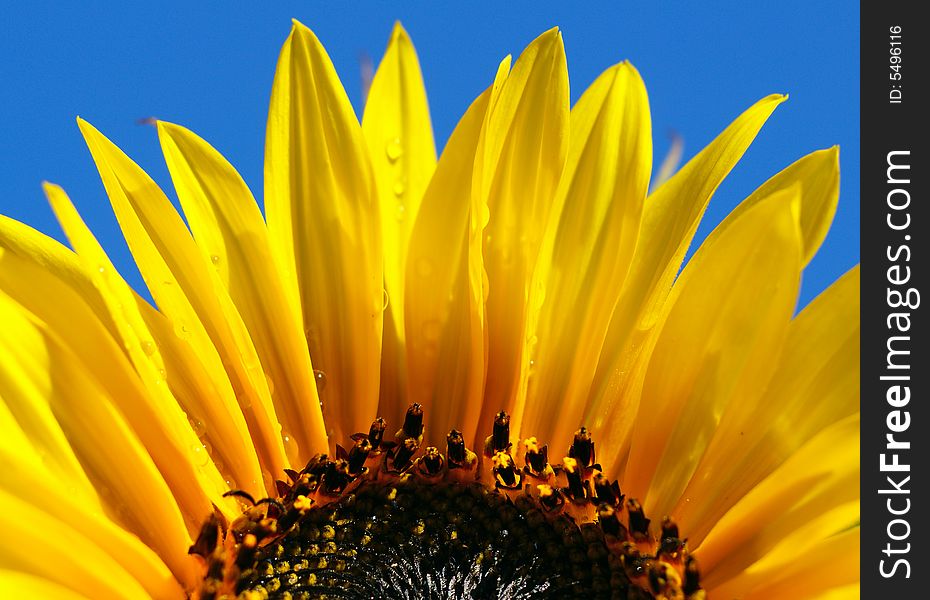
{"points": [[895, 368]]}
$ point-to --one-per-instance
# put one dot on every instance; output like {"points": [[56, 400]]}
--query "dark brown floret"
{"points": [[386, 520]]}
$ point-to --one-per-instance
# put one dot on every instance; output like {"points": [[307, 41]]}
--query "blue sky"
{"points": [[210, 66]]}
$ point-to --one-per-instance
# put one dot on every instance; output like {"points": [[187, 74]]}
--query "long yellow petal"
{"points": [[670, 218], [54, 257], [812, 497], [43, 370], [520, 157], [63, 555], [397, 129], [17, 584], [816, 384], [229, 229], [445, 343], [138, 385], [26, 413], [586, 253], [209, 402], [322, 210], [31, 483], [818, 176], [828, 570], [727, 316], [188, 290]]}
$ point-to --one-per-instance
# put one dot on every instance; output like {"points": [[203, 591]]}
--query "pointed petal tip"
{"points": [[549, 38], [51, 189], [398, 31]]}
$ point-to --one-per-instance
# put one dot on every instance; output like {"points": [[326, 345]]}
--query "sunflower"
{"points": [[392, 383]]}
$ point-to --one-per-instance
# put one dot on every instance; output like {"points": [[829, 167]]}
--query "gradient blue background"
{"points": [[210, 67]]}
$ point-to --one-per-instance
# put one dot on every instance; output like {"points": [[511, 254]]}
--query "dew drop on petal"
{"points": [[400, 186], [400, 212], [201, 457], [485, 215], [197, 424], [290, 447], [385, 299], [181, 330], [268, 480], [394, 150], [320, 378], [270, 383], [215, 259], [148, 346]]}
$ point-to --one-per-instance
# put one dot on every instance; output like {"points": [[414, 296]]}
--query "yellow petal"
{"points": [[227, 432], [230, 231], [810, 503], [818, 175], [828, 570], [520, 157], [445, 343], [322, 210], [816, 384], [586, 253], [138, 384], [727, 316], [52, 256], [44, 371], [62, 555], [397, 129], [16, 584], [209, 402], [26, 414], [34, 485], [843, 592], [188, 290], [670, 218]]}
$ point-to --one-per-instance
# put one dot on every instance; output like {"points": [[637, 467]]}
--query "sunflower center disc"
{"points": [[451, 540]]}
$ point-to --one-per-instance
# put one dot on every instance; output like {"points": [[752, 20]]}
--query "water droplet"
{"points": [[243, 398], [290, 447], [268, 480], [270, 382], [101, 269], [400, 212], [215, 259], [485, 217], [394, 150], [320, 378], [162, 375], [385, 299], [424, 267], [199, 427], [400, 186], [312, 339], [201, 458], [148, 347], [181, 330]]}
